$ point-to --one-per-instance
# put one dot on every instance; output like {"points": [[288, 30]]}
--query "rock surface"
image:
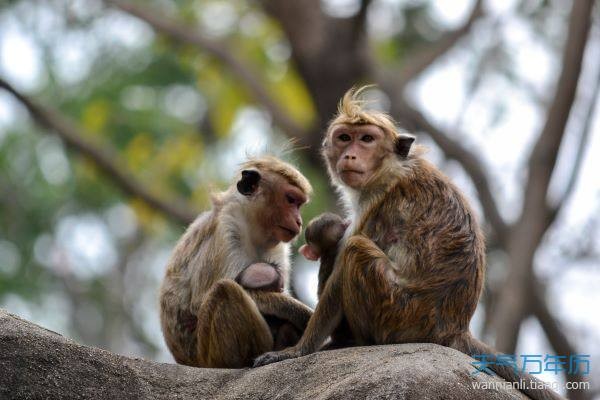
{"points": [[36, 363]]}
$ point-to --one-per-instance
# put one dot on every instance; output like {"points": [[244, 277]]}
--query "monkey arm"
{"points": [[360, 250], [282, 306], [325, 270], [323, 322]]}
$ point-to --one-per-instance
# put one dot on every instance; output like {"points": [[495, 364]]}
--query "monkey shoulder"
{"points": [[435, 215], [198, 232]]}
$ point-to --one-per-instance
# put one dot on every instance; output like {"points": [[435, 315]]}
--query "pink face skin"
{"points": [[288, 221], [357, 152]]}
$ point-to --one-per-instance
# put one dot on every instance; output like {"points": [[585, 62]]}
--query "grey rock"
{"points": [[36, 363]]}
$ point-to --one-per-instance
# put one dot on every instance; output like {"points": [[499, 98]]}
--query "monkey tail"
{"points": [[526, 383]]}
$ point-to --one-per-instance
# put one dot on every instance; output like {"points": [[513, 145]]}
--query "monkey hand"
{"points": [[276, 356]]}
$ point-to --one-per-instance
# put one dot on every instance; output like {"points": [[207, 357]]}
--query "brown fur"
{"points": [[323, 234], [411, 268], [207, 318]]}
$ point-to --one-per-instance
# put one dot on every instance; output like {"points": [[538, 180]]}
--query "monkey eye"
{"points": [[290, 199], [344, 137], [367, 138]]}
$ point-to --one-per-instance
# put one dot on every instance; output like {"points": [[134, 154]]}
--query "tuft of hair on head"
{"points": [[268, 163], [288, 148], [282, 149], [351, 110]]}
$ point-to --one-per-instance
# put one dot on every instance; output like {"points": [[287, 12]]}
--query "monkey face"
{"points": [[356, 152], [274, 203], [325, 231], [287, 221], [322, 235]]}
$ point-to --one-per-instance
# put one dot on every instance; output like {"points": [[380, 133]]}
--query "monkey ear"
{"points": [[249, 182], [403, 144], [309, 252]]}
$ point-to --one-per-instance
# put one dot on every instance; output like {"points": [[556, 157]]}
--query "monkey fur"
{"points": [[410, 267], [323, 235], [223, 300]]}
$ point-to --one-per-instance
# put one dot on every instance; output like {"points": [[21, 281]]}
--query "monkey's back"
{"points": [[187, 279], [428, 229], [440, 224]]}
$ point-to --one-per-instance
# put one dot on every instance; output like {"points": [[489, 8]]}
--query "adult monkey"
{"points": [[221, 301], [410, 267]]}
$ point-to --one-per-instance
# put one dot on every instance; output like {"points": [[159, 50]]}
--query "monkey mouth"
{"points": [[352, 171], [291, 232]]}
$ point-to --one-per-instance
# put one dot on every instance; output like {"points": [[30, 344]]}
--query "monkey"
{"points": [[323, 235], [224, 297], [410, 267], [261, 276]]}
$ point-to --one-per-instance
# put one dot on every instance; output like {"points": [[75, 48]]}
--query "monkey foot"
{"points": [[273, 357]]}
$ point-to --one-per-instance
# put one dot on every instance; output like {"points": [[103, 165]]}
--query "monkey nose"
{"points": [[350, 157]]}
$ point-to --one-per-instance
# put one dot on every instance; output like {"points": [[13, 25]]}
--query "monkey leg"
{"points": [[285, 334], [383, 308], [231, 331], [325, 270], [369, 284], [323, 322], [282, 306], [341, 337]]}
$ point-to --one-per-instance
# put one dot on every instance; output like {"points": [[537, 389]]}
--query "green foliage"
{"points": [[159, 107]]}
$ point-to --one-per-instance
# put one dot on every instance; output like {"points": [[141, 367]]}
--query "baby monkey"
{"points": [[323, 235]]}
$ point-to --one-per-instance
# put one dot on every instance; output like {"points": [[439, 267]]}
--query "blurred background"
{"points": [[118, 118]]}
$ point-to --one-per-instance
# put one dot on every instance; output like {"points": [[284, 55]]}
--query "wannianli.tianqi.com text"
{"points": [[525, 385]]}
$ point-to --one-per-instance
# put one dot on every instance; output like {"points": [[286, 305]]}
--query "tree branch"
{"points": [[393, 85], [304, 24], [361, 17], [543, 157], [421, 60], [102, 157], [177, 31], [529, 230], [558, 340], [454, 150], [586, 131]]}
